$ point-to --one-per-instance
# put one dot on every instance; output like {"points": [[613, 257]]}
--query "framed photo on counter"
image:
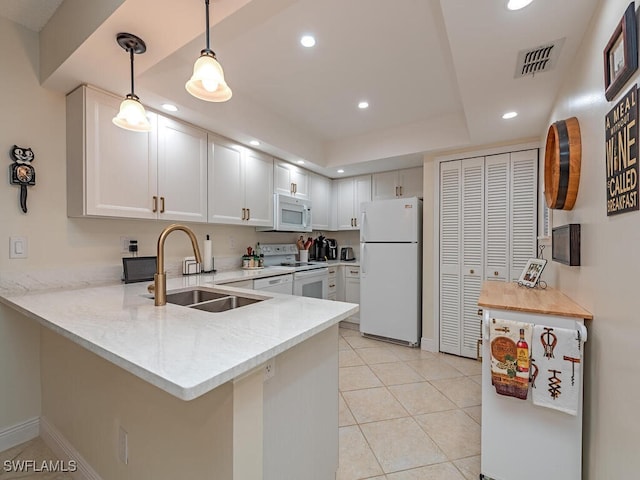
{"points": [[530, 276], [621, 54]]}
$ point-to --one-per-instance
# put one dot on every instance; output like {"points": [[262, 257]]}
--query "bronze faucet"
{"points": [[160, 278]]}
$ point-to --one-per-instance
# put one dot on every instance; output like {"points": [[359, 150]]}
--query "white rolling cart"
{"points": [[522, 441]]}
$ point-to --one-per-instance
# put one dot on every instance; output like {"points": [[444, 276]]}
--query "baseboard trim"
{"points": [[20, 433], [429, 344], [65, 451]]}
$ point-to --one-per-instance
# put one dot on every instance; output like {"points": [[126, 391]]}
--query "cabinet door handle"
{"points": [[244, 214], [161, 204], [401, 192], [495, 274], [355, 222], [396, 191], [472, 271], [480, 312], [292, 189], [295, 188], [248, 214], [354, 271], [155, 204], [332, 285]]}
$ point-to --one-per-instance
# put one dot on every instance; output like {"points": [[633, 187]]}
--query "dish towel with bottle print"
{"points": [[556, 362], [509, 343]]}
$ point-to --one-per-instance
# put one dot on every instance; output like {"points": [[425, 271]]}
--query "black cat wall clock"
{"points": [[21, 172]]}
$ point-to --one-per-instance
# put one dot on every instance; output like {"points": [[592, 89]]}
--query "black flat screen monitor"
{"points": [[565, 244]]}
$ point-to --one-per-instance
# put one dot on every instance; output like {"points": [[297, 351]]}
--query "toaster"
{"points": [[346, 254]]}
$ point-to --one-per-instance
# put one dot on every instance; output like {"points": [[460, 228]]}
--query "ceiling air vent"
{"points": [[538, 59]]}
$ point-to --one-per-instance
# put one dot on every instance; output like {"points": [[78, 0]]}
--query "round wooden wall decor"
{"points": [[562, 160]]}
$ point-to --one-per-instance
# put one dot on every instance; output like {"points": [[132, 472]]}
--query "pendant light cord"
{"points": [[207, 50], [131, 62]]}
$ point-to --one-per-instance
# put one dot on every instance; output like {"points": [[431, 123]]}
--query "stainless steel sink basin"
{"points": [[226, 303], [211, 300], [196, 295]]}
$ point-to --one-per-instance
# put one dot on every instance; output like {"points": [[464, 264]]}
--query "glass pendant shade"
{"points": [[132, 116], [207, 82]]}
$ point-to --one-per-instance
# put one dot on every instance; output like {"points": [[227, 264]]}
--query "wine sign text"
{"points": [[621, 135]]}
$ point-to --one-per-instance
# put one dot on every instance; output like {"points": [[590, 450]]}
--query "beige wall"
{"points": [[606, 283]]}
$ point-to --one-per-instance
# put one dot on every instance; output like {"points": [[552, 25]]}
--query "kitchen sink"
{"points": [[196, 295], [226, 303], [211, 300]]}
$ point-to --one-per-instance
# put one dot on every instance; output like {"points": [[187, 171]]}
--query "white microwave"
{"points": [[291, 214]]}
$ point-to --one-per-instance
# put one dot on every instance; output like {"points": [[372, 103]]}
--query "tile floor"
{"points": [[405, 414]]}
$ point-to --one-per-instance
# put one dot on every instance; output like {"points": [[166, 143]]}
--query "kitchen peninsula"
{"points": [[189, 388]]}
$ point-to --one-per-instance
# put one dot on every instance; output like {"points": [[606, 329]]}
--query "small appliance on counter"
{"points": [[332, 249], [347, 255], [319, 249], [139, 269]]}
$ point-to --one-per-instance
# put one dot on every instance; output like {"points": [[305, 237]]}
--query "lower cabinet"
{"points": [[332, 291], [352, 288]]}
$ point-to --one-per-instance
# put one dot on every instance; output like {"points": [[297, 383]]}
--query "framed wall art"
{"points": [[621, 54], [532, 271]]}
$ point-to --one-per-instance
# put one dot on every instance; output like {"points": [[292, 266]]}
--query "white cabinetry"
{"points": [[398, 183], [332, 288], [351, 192], [320, 194], [352, 289], [487, 230], [182, 171], [113, 172], [290, 180], [240, 185]]}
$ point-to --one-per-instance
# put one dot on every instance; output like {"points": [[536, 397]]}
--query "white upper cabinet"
{"points": [[113, 172], [240, 185], [351, 192], [290, 180], [182, 171], [320, 193], [397, 184]]}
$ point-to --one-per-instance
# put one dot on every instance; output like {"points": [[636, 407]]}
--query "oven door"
{"points": [[311, 283]]}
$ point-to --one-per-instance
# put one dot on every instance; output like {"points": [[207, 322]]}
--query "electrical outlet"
{"points": [[123, 446], [270, 369], [124, 244]]}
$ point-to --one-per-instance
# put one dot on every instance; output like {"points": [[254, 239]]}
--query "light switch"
{"points": [[18, 247]]}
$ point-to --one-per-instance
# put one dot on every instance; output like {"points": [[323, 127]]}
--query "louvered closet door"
{"points": [[524, 215], [497, 217], [472, 252], [450, 237]]}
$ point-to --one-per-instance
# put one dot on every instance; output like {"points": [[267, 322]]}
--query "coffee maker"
{"points": [[319, 249], [332, 249]]}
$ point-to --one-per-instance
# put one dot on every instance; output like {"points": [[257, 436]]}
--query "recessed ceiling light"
{"points": [[340, 171], [307, 41], [169, 107], [255, 143], [300, 162], [518, 4], [362, 105], [509, 115]]}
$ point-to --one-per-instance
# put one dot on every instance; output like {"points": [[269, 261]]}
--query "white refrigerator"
{"points": [[391, 269]]}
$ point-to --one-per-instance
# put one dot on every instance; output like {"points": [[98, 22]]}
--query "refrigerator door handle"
{"points": [[363, 258], [362, 228]]}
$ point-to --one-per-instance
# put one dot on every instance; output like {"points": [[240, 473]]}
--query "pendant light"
{"points": [[132, 115], [207, 82]]}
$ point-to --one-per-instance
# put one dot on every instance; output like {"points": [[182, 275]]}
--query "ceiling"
{"points": [[438, 74]]}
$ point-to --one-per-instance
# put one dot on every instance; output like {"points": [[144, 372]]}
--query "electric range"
{"points": [[310, 279]]}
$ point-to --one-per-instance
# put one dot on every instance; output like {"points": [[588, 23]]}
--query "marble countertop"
{"points": [[184, 351]]}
